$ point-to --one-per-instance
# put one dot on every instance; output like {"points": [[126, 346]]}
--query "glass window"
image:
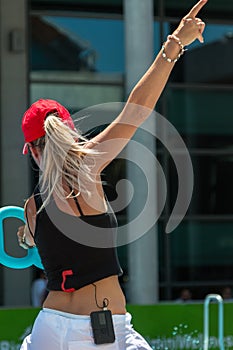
{"points": [[77, 61], [77, 44], [204, 115], [91, 6], [214, 9], [74, 96], [163, 252], [202, 251], [213, 188], [209, 62]]}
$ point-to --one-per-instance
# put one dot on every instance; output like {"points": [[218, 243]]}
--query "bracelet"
{"points": [[24, 244], [182, 50], [177, 40]]}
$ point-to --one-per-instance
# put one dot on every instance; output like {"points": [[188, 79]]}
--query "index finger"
{"points": [[196, 8]]}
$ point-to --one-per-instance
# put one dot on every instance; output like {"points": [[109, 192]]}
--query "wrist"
{"points": [[182, 38], [172, 49], [174, 38], [24, 244]]}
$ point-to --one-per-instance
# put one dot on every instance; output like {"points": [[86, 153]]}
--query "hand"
{"points": [[22, 238], [191, 27], [20, 233]]}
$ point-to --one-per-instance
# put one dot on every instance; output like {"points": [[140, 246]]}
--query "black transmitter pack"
{"points": [[102, 326]]}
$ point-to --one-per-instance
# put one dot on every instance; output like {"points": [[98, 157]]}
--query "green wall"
{"points": [[165, 326]]}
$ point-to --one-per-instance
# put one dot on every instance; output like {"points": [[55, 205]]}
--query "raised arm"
{"points": [[144, 96]]}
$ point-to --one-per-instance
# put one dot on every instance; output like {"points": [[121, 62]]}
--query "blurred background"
{"points": [[88, 52]]}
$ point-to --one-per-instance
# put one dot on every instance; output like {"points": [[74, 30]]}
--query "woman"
{"points": [[83, 276]]}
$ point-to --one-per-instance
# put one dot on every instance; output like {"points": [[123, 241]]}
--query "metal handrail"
{"points": [[207, 301]]}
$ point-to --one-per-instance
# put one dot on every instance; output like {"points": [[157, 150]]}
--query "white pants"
{"points": [[56, 330]]}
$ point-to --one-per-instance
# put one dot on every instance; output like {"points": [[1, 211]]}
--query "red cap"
{"points": [[33, 119]]}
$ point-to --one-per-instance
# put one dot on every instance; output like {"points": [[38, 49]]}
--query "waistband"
{"points": [[117, 318]]}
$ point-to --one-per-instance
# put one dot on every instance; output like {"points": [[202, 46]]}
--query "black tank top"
{"points": [[75, 251]]}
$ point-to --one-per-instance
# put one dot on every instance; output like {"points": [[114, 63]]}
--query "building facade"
{"points": [[90, 53]]}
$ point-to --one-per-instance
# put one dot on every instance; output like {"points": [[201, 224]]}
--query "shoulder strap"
{"points": [[26, 215], [78, 206], [76, 202], [37, 198]]}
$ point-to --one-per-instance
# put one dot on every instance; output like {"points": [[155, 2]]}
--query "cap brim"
{"points": [[25, 148]]}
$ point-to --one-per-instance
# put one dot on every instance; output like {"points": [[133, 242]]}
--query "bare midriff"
{"points": [[83, 301]]}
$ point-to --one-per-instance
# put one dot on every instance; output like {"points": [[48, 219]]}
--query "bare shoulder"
{"points": [[30, 216], [30, 206]]}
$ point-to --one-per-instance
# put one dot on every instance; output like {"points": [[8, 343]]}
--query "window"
{"points": [[197, 101]]}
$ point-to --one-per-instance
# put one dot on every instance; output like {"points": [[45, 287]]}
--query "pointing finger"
{"points": [[196, 8]]}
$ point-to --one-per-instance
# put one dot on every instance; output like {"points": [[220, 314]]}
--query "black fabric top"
{"points": [[75, 250]]}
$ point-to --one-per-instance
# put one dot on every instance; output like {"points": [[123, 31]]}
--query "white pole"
{"points": [[142, 254]]}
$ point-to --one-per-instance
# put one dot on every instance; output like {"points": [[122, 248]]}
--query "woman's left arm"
{"points": [[25, 233]]}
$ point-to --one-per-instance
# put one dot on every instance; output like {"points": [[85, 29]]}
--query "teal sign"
{"points": [[32, 257]]}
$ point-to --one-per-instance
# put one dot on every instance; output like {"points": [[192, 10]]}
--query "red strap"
{"points": [[64, 274]]}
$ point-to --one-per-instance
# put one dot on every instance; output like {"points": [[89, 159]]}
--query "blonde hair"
{"points": [[64, 160]]}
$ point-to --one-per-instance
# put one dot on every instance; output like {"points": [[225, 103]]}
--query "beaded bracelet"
{"points": [[182, 50], [24, 244]]}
